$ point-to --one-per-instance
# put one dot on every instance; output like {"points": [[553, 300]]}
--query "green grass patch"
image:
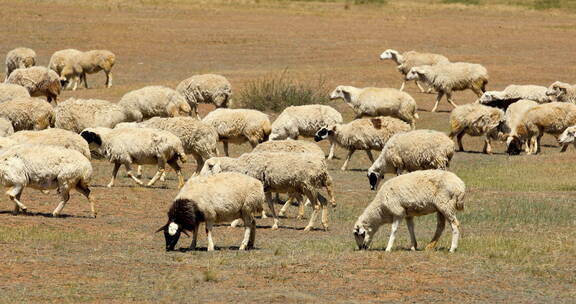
{"points": [[466, 2]]}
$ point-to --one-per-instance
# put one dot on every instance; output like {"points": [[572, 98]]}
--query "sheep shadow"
{"points": [[480, 152], [44, 214], [405, 249], [216, 248]]}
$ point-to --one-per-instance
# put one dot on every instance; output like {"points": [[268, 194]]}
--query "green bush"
{"points": [[546, 4], [467, 2]]}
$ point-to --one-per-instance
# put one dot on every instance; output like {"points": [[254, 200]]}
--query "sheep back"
{"points": [[475, 119], [28, 113], [6, 128], [552, 118], [369, 133], [10, 91], [412, 59], [78, 114], [239, 124], [39, 81], [457, 76], [154, 101], [303, 120], [289, 145], [54, 137], [206, 88]]}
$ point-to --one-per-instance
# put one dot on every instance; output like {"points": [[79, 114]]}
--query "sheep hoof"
{"points": [[413, 249], [334, 205], [45, 191], [308, 228], [281, 214], [264, 216], [430, 246], [110, 185], [55, 214], [452, 250], [274, 227], [299, 217], [242, 247]]}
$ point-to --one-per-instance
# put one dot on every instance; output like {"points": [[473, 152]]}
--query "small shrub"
{"points": [[466, 2], [380, 2], [546, 4]]}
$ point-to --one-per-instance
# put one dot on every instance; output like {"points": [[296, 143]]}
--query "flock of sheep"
{"points": [[49, 146]]}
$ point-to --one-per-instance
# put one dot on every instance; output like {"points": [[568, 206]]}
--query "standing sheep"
{"points": [[28, 113], [409, 195], [10, 91], [39, 81], [476, 120], [19, 58], [411, 59], [513, 93], [362, 134], [514, 115], [66, 63], [95, 61], [207, 88], [78, 114], [562, 92], [154, 101], [448, 77], [378, 102]]}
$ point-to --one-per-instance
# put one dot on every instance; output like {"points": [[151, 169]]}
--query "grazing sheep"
{"points": [[39, 81], [414, 194], [305, 121], [6, 128], [552, 118], [207, 88], [378, 102], [9, 91], [562, 92], [154, 101], [19, 58], [476, 120], [214, 199], [95, 61], [78, 114], [513, 93], [412, 151], [568, 136], [513, 117], [142, 146], [411, 59], [362, 134], [52, 137], [238, 126], [43, 168], [448, 77], [291, 173], [27, 113], [66, 63]]}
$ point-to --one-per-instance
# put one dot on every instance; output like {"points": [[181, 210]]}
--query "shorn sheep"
{"points": [[19, 58], [154, 101], [296, 121], [43, 168], [513, 93], [238, 126], [95, 61], [448, 77], [562, 92], [410, 59], [362, 134], [207, 88], [39, 81], [409, 195], [378, 102], [140, 146], [66, 64], [27, 113], [78, 114], [412, 151], [214, 199], [9, 91], [476, 120], [52, 137]]}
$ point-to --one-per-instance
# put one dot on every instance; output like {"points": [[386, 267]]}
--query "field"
{"points": [[518, 240]]}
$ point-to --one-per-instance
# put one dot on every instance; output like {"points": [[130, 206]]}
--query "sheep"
{"points": [[53, 137], [6, 128], [513, 117], [562, 92], [411, 59], [214, 199], [39, 81], [127, 146], [206, 88], [238, 126], [476, 120], [413, 194], [66, 63], [362, 134], [154, 101], [448, 77], [78, 114], [45, 167], [27, 113], [568, 136], [95, 61], [552, 118], [9, 91], [378, 102], [412, 151], [291, 173], [513, 93], [19, 58], [296, 121]]}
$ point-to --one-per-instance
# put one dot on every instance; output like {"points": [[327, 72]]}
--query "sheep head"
{"points": [[557, 89], [341, 92], [363, 236], [389, 54], [514, 145], [490, 96], [172, 232], [415, 73], [324, 133], [568, 136], [211, 167]]}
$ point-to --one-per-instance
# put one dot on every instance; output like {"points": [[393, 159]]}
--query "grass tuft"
{"points": [[466, 2], [546, 4]]}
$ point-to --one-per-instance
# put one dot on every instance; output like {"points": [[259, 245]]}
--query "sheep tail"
{"points": [[416, 115], [459, 202]]}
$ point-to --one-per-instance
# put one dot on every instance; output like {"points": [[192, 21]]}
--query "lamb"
{"points": [[411, 59], [378, 102], [53, 137], [562, 92], [154, 101], [27, 113], [19, 58], [10, 91], [304, 121], [214, 199], [448, 77], [568, 136], [66, 63], [207, 88], [78, 114], [409, 195], [39, 81], [238, 126], [552, 118], [291, 173], [513, 93], [476, 120], [6, 128], [127, 146], [513, 117], [43, 168], [95, 61], [362, 134], [412, 151]]}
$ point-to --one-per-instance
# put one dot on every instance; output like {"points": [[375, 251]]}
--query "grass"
{"points": [[467, 2]]}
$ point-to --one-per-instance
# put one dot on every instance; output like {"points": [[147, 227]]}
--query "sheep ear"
{"points": [[346, 95], [186, 233], [376, 122], [161, 228]]}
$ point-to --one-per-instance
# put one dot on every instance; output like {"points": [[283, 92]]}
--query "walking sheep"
{"points": [[78, 114], [19, 58], [562, 92], [95, 61], [10, 91], [66, 63], [513, 93], [27, 113], [152, 101], [409, 195], [411, 59], [476, 120], [39, 81], [207, 88]]}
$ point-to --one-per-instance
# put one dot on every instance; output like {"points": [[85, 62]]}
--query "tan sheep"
{"points": [[28, 113], [39, 81], [9, 91], [207, 88], [78, 114], [95, 61], [410, 59], [154, 101], [562, 92], [476, 120], [19, 58], [66, 64]]}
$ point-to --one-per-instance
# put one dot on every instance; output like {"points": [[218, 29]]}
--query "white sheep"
{"points": [[142, 146], [95, 61], [562, 92], [414, 194], [78, 114], [19, 58], [362, 134], [66, 63], [39, 81], [214, 199], [207, 88], [306, 120], [52, 137], [568, 136], [9, 91], [448, 77], [412, 151], [476, 120], [513, 93], [238, 126], [378, 102], [27, 113], [152, 101], [43, 168], [6, 128], [410, 59]]}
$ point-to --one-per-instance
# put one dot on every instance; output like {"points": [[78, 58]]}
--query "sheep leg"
{"points": [[14, 194], [300, 209], [345, 165], [564, 147], [422, 90], [313, 197], [108, 79], [330, 191], [440, 223], [225, 144], [83, 188], [487, 147], [459, 139], [438, 97], [410, 224], [129, 173], [395, 224], [139, 171], [209, 235], [252, 238], [85, 81], [271, 206], [173, 163], [449, 98], [538, 146], [285, 207], [199, 162], [76, 80], [477, 91], [161, 169], [455, 233], [65, 195], [325, 211], [194, 237], [114, 173], [369, 153], [247, 231], [332, 146]]}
